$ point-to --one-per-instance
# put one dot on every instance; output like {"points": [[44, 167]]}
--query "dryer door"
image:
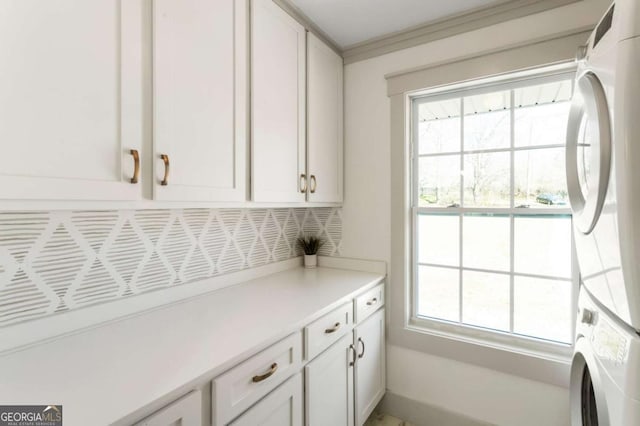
{"points": [[588, 403], [588, 152]]}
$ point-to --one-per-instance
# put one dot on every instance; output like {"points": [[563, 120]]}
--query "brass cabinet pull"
{"points": [[165, 180], [313, 185], [261, 377], [353, 358], [136, 165], [372, 301], [361, 342], [333, 329], [303, 183]]}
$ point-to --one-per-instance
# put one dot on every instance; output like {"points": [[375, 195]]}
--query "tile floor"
{"points": [[380, 419]]}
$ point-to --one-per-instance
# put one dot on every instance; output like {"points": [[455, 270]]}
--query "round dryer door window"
{"points": [[588, 152]]}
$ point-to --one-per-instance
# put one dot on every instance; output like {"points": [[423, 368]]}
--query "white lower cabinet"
{"points": [[345, 383], [344, 376], [370, 377], [186, 411], [282, 407], [243, 385], [329, 386]]}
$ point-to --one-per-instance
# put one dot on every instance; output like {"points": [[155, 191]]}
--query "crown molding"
{"points": [[307, 23], [447, 27]]}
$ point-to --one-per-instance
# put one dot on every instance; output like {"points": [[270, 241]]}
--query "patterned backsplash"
{"points": [[52, 262]]}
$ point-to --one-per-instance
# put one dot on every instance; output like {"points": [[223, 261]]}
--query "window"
{"points": [[491, 220]]}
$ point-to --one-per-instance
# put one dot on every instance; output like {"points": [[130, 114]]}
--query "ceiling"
{"points": [[348, 22]]}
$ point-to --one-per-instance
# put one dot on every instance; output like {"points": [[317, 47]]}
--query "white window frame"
{"points": [[464, 332]]}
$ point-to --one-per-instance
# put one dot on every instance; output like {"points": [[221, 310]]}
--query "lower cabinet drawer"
{"points": [[242, 386], [323, 332], [369, 302], [282, 407], [186, 411]]}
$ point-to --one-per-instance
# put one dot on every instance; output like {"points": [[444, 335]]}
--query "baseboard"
{"points": [[421, 414]]}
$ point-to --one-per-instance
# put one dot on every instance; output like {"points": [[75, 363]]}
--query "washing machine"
{"points": [[605, 373], [603, 181]]}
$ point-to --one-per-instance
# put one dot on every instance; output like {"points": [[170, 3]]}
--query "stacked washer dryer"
{"points": [[603, 178]]}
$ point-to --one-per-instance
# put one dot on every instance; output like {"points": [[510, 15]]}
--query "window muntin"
{"points": [[492, 224]]}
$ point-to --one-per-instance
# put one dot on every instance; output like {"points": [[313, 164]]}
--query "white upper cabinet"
{"points": [[200, 99], [71, 99], [277, 105], [325, 131]]}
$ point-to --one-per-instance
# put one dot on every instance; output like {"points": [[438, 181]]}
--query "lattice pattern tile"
{"points": [[53, 262]]}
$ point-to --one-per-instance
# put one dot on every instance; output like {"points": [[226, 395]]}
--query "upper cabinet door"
{"points": [[325, 132], [278, 105], [200, 99], [71, 99]]}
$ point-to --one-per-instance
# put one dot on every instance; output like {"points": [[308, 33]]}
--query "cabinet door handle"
{"points": [[136, 165], [372, 301], [261, 377], [333, 329], [303, 183], [354, 355], [165, 160], [362, 343], [313, 185]]}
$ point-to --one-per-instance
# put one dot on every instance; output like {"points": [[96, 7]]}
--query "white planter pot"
{"points": [[310, 260]]}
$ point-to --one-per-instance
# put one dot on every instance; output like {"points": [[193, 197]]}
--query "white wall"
{"points": [[366, 216], [476, 392]]}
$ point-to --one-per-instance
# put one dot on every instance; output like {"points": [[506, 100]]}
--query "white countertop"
{"points": [[105, 373]]}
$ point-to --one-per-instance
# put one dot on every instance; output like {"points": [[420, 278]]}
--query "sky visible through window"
{"points": [[493, 243]]}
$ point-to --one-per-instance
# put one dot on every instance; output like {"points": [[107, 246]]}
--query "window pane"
{"points": [[543, 246], [486, 242], [485, 300], [439, 293], [540, 178], [439, 239], [542, 308], [541, 94], [487, 180], [439, 126], [486, 121], [439, 181], [541, 124]]}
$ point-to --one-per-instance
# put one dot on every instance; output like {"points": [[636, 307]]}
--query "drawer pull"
{"points": [[361, 342], [372, 301], [136, 165], [165, 160], [333, 329], [261, 377], [354, 356]]}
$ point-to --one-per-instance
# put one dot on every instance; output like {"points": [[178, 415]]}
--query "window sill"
{"points": [[552, 351]]}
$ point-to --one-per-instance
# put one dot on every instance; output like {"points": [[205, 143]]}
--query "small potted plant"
{"points": [[310, 246]]}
